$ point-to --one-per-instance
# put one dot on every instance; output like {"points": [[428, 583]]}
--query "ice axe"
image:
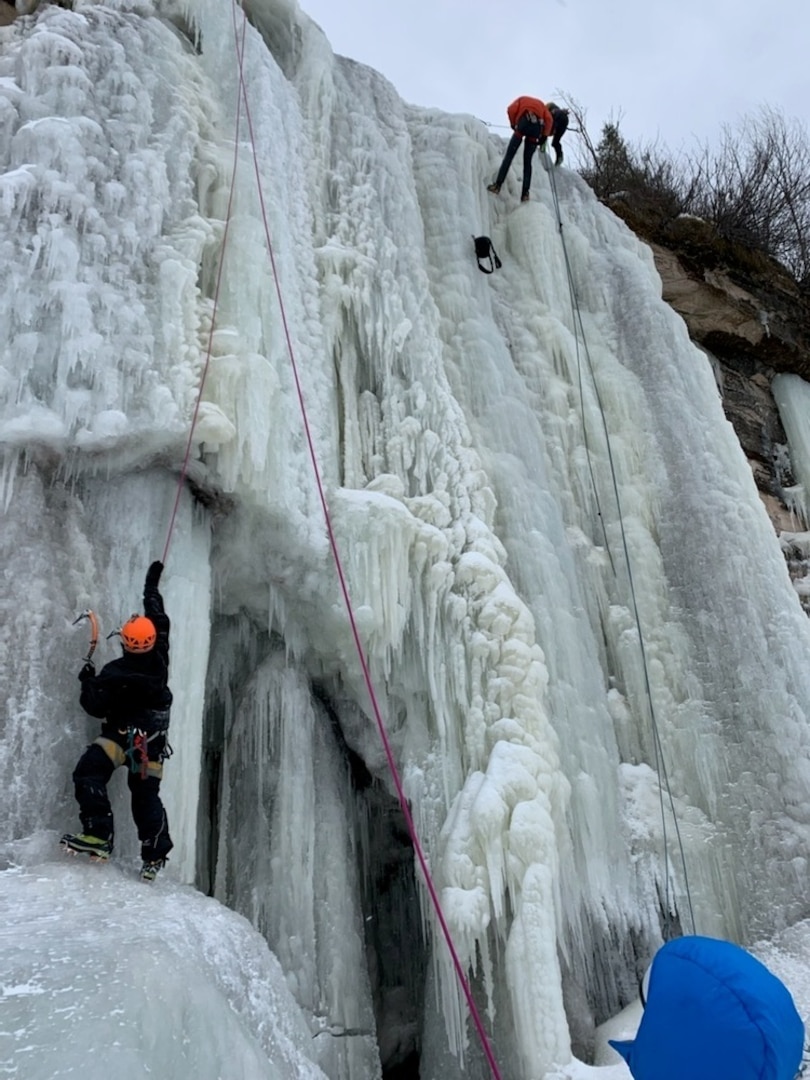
{"points": [[91, 616]]}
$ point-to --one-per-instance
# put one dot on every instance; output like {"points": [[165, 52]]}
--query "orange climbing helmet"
{"points": [[138, 634]]}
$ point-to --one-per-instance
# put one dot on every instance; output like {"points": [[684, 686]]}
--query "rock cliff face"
{"points": [[753, 321]]}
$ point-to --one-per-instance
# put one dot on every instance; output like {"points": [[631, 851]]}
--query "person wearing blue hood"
{"points": [[714, 1012]]}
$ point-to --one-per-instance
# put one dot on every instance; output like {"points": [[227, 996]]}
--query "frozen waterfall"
{"points": [[551, 538]]}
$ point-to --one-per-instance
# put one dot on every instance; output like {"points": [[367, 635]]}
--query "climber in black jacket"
{"points": [[132, 697]]}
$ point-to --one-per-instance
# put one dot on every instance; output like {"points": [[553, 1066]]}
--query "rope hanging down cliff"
{"points": [[660, 763], [397, 780], [222, 247]]}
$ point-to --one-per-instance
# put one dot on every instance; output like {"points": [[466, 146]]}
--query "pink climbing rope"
{"points": [[420, 855], [184, 468]]}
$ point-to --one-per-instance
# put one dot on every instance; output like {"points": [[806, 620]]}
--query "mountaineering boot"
{"points": [[494, 188], [149, 870], [84, 844]]}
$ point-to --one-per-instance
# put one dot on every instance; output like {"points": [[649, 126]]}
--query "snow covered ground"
{"points": [[105, 976]]}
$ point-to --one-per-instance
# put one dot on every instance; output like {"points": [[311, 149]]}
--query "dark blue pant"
{"points": [[529, 147], [90, 779]]}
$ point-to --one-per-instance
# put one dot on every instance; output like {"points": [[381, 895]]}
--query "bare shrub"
{"points": [[754, 189]]}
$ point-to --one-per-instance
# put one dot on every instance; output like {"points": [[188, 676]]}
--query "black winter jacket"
{"points": [[133, 691]]}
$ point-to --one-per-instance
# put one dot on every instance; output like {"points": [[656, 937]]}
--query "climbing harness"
{"points": [[484, 249], [430, 885], [137, 751], [91, 617], [660, 764]]}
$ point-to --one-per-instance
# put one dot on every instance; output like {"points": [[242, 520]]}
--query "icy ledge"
{"points": [[105, 976]]}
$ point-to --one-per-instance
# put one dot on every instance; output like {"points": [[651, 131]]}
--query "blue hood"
{"points": [[714, 1012]]}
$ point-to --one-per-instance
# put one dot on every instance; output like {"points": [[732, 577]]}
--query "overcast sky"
{"points": [[673, 71]]}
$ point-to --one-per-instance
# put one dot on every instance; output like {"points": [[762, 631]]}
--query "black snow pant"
{"points": [[90, 779], [529, 147]]}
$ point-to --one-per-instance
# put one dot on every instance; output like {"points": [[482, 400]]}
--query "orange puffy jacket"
{"points": [[523, 105]]}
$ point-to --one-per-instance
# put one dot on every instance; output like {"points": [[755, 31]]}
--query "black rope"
{"points": [[660, 763]]}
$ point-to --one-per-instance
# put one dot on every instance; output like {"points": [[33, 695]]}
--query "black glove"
{"points": [[88, 671], [153, 575], [558, 155]]}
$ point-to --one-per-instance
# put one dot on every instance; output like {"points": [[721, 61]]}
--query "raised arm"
{"points": [[153, 607]]}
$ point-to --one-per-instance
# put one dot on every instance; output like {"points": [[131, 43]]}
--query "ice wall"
{"points": [[550, 536], [791, 394]]}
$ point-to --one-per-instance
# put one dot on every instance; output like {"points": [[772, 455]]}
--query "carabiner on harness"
{"points": [[137, 751]]}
